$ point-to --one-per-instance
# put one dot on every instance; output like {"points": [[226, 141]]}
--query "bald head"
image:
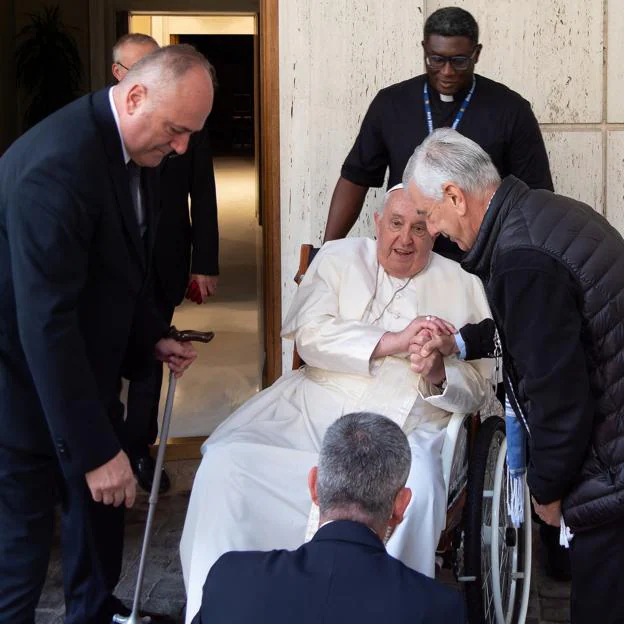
{"points": [[130, 49], [162, 99]]}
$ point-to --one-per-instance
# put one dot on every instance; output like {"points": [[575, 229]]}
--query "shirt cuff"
{"points": [[461, 345], [460, 394]]}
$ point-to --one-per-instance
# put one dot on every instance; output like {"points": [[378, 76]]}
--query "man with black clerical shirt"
{"points": [[449, 94]]}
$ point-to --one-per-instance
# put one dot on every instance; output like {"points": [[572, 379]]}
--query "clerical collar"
{"points": [[456, 97]]}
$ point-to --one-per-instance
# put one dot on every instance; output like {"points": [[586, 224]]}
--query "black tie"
{"points": [[134, 175]]}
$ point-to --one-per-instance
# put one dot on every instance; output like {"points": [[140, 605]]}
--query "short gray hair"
{"points": [[166, 65], [364, 462], [448, 156], [137, 38]]}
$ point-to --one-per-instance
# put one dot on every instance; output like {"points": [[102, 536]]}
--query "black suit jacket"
{"points": [[73, 270], [191, 173], [343, 575]]}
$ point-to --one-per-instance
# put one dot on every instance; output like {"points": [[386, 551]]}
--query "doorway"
{"points": [[105, 18], [229, 370]]}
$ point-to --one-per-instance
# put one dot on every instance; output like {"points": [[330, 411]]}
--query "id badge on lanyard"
{"points": [[460, 112]]}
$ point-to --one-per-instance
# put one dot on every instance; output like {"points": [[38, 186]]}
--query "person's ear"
{"points": [[477, 53], [401, 502], [377, 217], [312, 479], [455, 197], [116, 72], [137, 96]]}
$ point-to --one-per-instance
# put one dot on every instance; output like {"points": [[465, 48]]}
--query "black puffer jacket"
{"points": [[553, 269]]}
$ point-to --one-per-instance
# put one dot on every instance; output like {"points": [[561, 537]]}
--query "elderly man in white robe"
{"points": [[358, 309]]}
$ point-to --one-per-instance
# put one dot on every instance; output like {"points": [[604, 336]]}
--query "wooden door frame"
{"points": [[270, 188]]}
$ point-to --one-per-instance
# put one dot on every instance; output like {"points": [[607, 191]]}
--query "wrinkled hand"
{"points": [[429, 365], [445, 344], [549, 513], [113, 483], [178, 355], [201, 287], [392, 343]]}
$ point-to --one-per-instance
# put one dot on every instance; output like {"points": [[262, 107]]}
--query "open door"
{"points": [[266, 146]]}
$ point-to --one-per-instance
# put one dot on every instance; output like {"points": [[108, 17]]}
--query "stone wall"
{"points": [[336, 54]]}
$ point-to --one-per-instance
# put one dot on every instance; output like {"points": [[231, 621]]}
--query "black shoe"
{"points": [[555, 559], [144, 465]]}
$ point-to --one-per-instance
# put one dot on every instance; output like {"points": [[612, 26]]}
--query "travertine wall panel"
{"points": [[577, 165], [549, 51], [334, 57], [615, 179]]}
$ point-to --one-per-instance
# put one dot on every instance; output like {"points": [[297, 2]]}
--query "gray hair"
{"points": [[138, 38], [447, 156], [364, 462], [165, 66], [452, 22]]}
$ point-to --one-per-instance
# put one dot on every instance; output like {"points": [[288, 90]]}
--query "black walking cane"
{"points": [[134, 617]]}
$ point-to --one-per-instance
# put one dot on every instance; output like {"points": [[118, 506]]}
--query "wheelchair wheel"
{"points": [[497, 556]]}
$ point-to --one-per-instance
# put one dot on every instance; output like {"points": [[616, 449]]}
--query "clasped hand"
{"points": [[428, 347]]}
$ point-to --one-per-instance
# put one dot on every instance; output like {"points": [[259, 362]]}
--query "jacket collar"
{"points": [[478, 259], [117, 170], [348, 531]]}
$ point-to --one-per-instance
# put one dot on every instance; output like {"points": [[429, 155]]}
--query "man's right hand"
{"points": [[113, 483], [393, 343], [428, 343]]}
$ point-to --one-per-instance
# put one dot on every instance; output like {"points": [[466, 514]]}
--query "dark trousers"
{"points": [[144, 394], [31, 487], [597, 559]]}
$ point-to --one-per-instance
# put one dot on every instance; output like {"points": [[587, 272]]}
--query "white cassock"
{"points": [[250, 491]]}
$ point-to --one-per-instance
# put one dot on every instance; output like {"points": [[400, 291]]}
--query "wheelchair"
{"points": [[490, 558]]}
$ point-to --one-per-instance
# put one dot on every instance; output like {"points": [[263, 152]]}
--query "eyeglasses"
{"points": [[458, 63], [122, 65]]}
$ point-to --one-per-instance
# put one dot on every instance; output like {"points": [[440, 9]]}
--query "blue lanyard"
{"points": [[460, 112]]}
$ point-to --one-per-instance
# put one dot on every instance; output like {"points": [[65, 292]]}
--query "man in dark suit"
{"points": [[344, 574], [76, 232], [174, 268]]}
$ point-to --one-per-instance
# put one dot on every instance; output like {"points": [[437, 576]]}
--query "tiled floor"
{"points": [[228, 370]]}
